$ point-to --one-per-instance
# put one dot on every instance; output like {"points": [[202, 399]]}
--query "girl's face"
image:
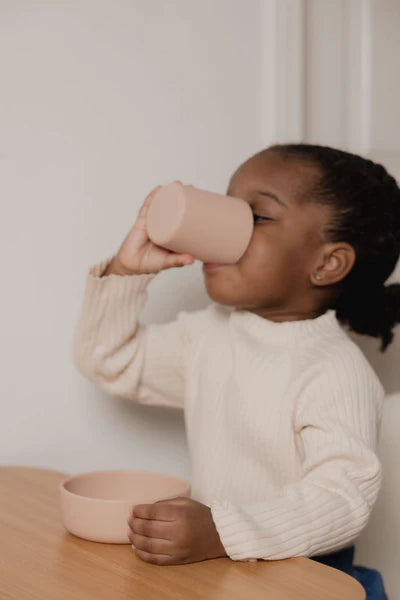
{"points": [[272, 278]]}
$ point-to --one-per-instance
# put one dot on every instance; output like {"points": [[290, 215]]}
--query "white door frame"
{"points": [[286, 93]]}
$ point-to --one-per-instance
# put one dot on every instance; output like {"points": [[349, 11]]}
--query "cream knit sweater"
{"points": [[282, 419]]}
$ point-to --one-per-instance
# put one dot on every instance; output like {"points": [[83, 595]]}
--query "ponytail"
{"points": [[372, 310]]}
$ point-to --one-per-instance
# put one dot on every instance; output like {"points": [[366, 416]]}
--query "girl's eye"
{"points": [[259, 217]]}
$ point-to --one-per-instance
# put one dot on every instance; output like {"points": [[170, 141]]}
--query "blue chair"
{"points": [[370, 579]]}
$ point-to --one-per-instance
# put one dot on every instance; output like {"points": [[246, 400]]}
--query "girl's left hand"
{"points": [[174, 532]]}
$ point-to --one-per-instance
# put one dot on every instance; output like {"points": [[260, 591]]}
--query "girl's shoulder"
{"points": [[351, 355], [348, 365], [338, 368], [341, 382]]}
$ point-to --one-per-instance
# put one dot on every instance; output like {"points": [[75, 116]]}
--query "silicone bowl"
{"points": [[96, 505]]}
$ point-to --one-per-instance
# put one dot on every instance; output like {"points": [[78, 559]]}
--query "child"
{"points": [[282, 409]]}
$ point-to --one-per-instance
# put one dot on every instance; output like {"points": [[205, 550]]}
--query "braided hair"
{"points": [[365, 203]]}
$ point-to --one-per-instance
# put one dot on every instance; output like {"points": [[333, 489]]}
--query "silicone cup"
{"points": [[211, 227]]}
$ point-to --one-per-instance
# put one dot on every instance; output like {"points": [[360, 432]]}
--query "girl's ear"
{"points": [[335, 261]]}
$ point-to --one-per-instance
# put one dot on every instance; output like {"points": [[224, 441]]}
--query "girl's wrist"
{"points": [[116, 268]]}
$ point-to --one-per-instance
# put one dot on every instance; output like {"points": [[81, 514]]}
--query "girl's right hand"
{"points": [[138, 254]]}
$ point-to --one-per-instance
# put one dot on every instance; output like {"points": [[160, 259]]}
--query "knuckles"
{"points": [[180, 513]]}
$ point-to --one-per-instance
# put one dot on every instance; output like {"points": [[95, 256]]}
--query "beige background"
{"points": [[102, 101]]}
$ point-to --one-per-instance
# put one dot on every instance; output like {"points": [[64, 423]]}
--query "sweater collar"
{"points": [[290, 333]]}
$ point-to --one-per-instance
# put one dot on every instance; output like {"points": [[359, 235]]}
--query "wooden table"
{"points": [[40, 559]]}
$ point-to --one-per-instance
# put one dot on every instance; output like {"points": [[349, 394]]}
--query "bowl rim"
{"points": [[63, 489]]}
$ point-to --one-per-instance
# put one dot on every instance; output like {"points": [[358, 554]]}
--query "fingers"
{"points": [[150, 548], [178, 260], [155, 559], [158, 187], [146, 203], [150, 528], [152, 193], [183, 262], [148, 199], [150, 544], [154, 511]]}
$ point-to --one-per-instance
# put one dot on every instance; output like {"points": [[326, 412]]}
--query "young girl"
{"points": [[282, 409]]}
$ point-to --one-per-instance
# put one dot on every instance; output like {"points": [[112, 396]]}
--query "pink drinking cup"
{"points": [[213, 228]]}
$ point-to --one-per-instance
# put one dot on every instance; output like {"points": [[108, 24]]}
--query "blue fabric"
{"points": [[370, 579]]}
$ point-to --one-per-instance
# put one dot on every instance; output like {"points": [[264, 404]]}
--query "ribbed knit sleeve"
{"points": [[336, 425], [143, 363]]}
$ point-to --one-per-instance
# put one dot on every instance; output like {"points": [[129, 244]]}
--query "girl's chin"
{"points": [[218, 294]]}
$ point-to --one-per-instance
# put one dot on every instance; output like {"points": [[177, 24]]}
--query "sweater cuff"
{"points": [[108, 301], [98, 269], [122, 285], [110, 305], [229, 530]]}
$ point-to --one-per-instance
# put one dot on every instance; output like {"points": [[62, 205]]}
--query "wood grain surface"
{"points": [[41, 560]]}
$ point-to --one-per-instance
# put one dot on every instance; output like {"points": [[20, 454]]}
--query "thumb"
{"points": [[167, 499]]}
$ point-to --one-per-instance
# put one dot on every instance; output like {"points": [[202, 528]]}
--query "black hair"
{"points": [[365, 203]]}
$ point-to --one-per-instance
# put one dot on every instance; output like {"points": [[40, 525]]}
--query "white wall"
{"points": [[100, 102]]}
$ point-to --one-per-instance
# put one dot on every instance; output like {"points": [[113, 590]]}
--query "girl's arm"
{"points": [[327, 509], [143, 363]]}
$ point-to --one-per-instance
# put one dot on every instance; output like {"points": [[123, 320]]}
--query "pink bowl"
{"points": [[96, 505]]}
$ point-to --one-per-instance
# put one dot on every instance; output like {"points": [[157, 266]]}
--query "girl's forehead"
{"points": [[271, 173]]}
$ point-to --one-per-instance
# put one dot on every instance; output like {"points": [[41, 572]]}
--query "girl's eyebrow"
{"points": [[272, 196], [269, 194]]}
